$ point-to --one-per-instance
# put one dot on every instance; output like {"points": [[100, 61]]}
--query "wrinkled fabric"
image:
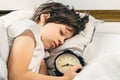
{"points": [[105, 67], [4, 52]]}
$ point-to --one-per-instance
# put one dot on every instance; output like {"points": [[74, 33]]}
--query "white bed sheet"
{"points": [[106, 40], [103, 54]]}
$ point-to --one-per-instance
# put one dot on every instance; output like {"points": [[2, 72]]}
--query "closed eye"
{"points": [[62, 33]]}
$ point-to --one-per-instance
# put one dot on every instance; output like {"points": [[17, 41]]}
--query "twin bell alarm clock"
{"points": [[65, 60]]}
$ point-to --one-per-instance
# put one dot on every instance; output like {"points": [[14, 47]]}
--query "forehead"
{"points": [[59, 26]]}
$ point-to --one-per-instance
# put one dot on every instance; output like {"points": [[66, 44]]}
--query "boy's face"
{"points": [[53, 34]]}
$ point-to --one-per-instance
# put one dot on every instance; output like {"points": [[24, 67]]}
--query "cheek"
{"points": [[47, 39], [49, 35], [70, 34], [52, 34]]}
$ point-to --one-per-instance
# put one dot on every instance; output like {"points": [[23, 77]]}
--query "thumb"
{"points": [[76, 67]]}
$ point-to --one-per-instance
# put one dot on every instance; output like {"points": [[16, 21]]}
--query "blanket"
{"points": [[103, 54], [4, 52], [105, 67]]}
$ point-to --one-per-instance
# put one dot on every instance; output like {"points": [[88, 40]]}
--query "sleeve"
{"points": [[17, 28]]}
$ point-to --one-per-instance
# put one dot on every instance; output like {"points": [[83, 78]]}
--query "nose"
{"points": [[62, 40]]}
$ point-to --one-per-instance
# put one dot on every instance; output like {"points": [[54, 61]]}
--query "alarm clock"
{"points": [[65, 60]]}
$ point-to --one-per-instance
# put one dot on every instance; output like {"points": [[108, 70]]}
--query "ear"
{"points": [[43, 18]]}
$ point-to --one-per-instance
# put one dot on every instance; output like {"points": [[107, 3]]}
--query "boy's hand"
{"points": [[71, 72]]}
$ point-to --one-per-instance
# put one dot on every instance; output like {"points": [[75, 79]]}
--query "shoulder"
{"points": [[26, 38], [27, 33]]}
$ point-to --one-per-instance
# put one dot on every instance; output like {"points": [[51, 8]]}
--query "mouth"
{"points": [[55, 44]]}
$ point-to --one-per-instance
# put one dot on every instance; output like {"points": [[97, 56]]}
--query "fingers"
{"points": [[75, 68], [72, 71]]}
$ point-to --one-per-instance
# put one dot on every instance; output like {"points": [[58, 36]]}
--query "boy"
{"points": [[50, 26]]}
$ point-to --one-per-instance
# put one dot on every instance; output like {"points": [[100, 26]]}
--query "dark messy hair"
{"points": [[61, 14]]}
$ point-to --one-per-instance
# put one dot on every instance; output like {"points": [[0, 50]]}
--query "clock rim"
{"points": [[65, 52]]}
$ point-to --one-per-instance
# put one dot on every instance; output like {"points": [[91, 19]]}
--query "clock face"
{"points": [[64, 61]]}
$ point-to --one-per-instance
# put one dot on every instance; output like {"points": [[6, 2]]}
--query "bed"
{"points": [[103, 54], [106, 40]]}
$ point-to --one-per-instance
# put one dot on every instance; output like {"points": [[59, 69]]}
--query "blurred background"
{"points": [[78, 4]]}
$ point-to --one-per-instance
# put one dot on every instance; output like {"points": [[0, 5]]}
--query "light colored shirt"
{"points": [[18, 28]]}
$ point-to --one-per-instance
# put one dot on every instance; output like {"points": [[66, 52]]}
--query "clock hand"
{"points": [[67, 65], [63, 65]]}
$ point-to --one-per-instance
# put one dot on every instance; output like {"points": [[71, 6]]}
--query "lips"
{"points": [[55, 44]]}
